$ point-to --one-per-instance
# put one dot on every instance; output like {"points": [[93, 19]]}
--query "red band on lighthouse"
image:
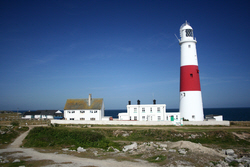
{"points": [[189, 78]]}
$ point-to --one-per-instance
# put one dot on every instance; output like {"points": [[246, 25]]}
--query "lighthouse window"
{"points": [[191, 75], [189, 32], [189, 46]]}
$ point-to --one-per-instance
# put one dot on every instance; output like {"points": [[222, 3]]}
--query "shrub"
{"points": [[15, 123], [63, 137]]}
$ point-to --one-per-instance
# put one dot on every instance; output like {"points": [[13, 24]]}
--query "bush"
{"points": [[63, 137], [15, 123]]}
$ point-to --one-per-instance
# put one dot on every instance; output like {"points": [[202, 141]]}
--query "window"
{"points": [[92, 119], [82, 118], [82, 111], [158, 109], [73, 111], [135, 110], [159, 118], [71, 118], [189, 33], [167, 118], [191, 75], [151, 109], [135, 118], [189, 46], [143, 110], [143, 117], [193, 116], [91, 111], [69, 112], [95, 111], [176, 117]]}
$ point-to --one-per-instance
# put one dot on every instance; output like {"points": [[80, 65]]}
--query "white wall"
{"points": [[148, 112], [82, 114], [200, 123]]}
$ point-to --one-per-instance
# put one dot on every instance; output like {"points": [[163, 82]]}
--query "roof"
{"points": [[32, 113], [47, 112], [212, 115], [82, 104], [41, 112]]}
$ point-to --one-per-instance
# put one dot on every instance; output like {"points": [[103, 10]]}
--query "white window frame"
{"points": [[159, 118]]}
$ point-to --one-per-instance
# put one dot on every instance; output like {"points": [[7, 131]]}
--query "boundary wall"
{"points": [[198, 123]]}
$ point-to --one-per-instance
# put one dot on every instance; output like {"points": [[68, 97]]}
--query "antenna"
{"points": [[177, 37]]}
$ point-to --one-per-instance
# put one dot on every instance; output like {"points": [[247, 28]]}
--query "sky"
{"points": [[120, 50]]}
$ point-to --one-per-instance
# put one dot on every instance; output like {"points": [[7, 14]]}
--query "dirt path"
{"points": [[64, 160]]}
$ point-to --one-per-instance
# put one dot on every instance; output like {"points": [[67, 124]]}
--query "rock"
{"points": [[95, 153], [65, 149], [230, 152], [80, 149], [16, 160], [229, 159], [114, 149], [130, 147], [5, 161], [245, 159], [157, 158], [240, 165], [172, 150], [182, 151], [163, 145], [125, 134]]}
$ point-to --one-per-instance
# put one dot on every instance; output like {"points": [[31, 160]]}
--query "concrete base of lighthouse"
{"points": [[191, 107]]}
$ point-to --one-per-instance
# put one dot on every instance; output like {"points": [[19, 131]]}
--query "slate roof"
{"points": [[42, 112], [32, 113], [82, 104], [47, 112]]}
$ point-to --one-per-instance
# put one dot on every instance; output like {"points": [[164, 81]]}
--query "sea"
{"points": [[229, 114]]}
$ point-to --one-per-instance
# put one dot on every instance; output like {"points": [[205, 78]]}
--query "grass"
{"points": [[9, 133], [65, 137], [156, 158]]}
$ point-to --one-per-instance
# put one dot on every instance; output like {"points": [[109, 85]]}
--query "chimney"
{"points": [[154, 101], [90, 99], [129, 102], [138, 102]]}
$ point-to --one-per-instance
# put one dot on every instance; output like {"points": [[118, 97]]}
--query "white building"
{"points": [[84, 109], [148, 112], [42, 114]]}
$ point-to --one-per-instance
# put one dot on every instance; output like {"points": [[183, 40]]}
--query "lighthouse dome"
{"points": [[186, 32]]}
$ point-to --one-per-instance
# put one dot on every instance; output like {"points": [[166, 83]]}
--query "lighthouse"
{"points": [[191, 106]]}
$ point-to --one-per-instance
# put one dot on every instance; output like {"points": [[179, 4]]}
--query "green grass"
{"points": [[157, 158], [65, 137], [10, 133]]}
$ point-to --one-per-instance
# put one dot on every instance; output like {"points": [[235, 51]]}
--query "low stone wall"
{"points": [[207, 123], [200, 123]]}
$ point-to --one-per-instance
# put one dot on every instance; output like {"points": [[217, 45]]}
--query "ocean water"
{"points": [[229, 114]]}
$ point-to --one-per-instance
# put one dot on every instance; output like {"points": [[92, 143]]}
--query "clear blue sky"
{"points": [[53, 50]]}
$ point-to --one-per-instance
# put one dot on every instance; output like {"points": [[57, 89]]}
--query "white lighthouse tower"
{"points": [[191, 106]]}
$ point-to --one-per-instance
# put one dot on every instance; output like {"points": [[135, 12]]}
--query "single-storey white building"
{"points": [[42, 114], [84, 109], [148, 112], [214, 117]]}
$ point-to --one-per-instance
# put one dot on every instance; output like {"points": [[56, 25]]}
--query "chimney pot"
{"points": [[90, 99]]}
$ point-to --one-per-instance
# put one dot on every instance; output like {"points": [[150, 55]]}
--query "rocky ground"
{"points": [[181, 153]]}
